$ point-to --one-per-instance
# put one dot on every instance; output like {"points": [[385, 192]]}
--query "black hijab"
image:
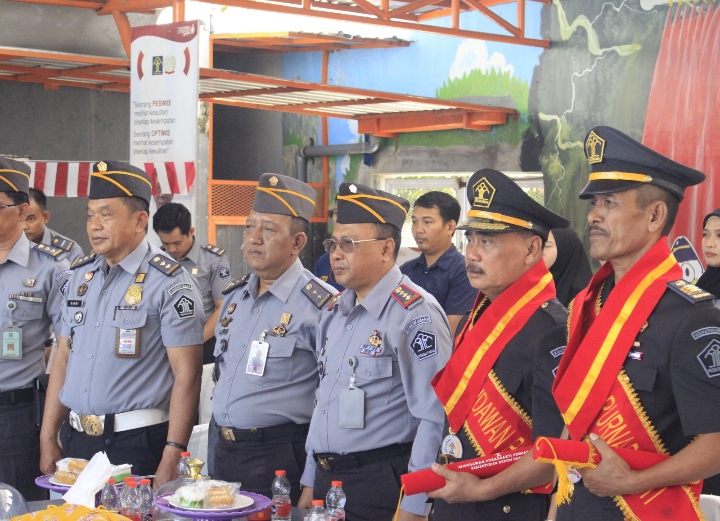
{"points": [[571, 270], [710, 280]]}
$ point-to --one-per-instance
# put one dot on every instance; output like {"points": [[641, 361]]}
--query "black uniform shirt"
{"points": [[672, 368]]}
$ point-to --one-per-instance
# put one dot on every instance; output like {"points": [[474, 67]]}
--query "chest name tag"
{"points": [[257, 358], [11, 343], [128, 343]]}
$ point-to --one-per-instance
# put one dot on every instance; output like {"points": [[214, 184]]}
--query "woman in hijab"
{"points": [[710, 280], [568, 263]]}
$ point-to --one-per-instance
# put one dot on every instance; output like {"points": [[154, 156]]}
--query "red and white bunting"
{"points": [[72, 178]]}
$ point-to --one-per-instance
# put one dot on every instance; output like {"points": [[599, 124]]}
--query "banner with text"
{"points": [[164, 93]]}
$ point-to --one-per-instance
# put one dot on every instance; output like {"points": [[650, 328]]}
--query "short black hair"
{"points": [[388, 231], [298, 224], [647, 194], [18, 197], [39, 198], [137, 204], [170, 216], [446, 204]]}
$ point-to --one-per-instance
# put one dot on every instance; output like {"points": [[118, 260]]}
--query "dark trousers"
{"points": [[586, 506], [520, 507], [253, 463], [209, 351], [372, 490], [20, 450], [143, 447]]}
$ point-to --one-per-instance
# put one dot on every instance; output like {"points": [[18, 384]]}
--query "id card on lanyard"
{"points": [[11, 337]]}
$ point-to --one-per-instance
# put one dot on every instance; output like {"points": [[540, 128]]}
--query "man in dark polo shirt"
{"points": [[440, 268]]}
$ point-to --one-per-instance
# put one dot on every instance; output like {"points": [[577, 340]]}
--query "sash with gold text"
{"points": [[594, 393]]}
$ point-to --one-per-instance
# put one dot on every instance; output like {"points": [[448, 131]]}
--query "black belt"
{"points": [[267, 433], [354, 460], [16, 397]]}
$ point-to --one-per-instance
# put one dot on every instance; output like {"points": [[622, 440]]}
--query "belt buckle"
{"points": [[228, 434], [324, 463], [91, 424]]}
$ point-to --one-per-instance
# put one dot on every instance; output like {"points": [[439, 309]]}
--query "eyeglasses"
{"points": [[346, 245], [3, 206]]}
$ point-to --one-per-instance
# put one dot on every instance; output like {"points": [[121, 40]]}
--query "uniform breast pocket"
{"points": [[510, 380], [642, 377], [27, 311], [128, 338], [374, 376], [279, 363]]}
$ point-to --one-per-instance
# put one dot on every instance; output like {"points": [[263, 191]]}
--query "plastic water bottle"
{"points": [[123, 491], [147, 506], [335, 501], [130, 502], [318, 512], [281, 507], [182, 467], [110, 498]]}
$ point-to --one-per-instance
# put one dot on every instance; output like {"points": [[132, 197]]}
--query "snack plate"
{"points": [[260, 503], [48, 481], [240, 501]]}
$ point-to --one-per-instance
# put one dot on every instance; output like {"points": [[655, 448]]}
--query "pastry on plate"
{"points": [[219, 496], [190, 496]]}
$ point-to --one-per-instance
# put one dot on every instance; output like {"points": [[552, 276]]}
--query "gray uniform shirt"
{"points": [[39, 275], [400, 404], [211, 269], [284, 393], [53, 238], [96, 308]]}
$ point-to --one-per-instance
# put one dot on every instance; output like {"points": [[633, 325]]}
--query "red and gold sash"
{"points": [[470, 391], [598, 344], [459, 383], [594, 393]]}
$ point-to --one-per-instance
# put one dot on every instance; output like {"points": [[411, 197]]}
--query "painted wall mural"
{"points": [[643, 66]]}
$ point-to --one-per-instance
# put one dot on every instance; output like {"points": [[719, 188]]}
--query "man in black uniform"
{"points": [[496, 388], [665, 352]]}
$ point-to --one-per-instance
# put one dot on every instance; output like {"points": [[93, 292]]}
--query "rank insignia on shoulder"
{"points": [[405, 296], [234, 285], [163, 264], [49, 250], [81, 261], [689, 291], [63, 244], [217, 250], [333, 300], [316, 293]]}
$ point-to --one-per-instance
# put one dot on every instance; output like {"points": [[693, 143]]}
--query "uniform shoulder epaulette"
{"points": [[690, 291], [164, 265], [51, 251], [217, 250], [62, 243], [81, 261], [316, 293], [334, 300], [556, 310], [235, 284], [405, 296]]}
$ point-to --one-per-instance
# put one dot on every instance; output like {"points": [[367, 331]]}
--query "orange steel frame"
{"points": [[363, 11]]}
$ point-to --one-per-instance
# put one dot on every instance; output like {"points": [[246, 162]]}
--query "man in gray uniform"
{"points": [[266, 344], [129, 370], [31, 277], [208, 264], [37, 231], [380, 344]]}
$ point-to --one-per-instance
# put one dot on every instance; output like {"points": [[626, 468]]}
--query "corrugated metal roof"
{"points": [[262, 92]]}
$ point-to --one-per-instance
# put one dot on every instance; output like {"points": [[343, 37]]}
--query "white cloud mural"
{"points": [[473, 54]]}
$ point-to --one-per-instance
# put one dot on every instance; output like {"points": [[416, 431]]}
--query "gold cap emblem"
{"points": [[484, 192], [273, 181], [101, 166], [594, 148]]}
